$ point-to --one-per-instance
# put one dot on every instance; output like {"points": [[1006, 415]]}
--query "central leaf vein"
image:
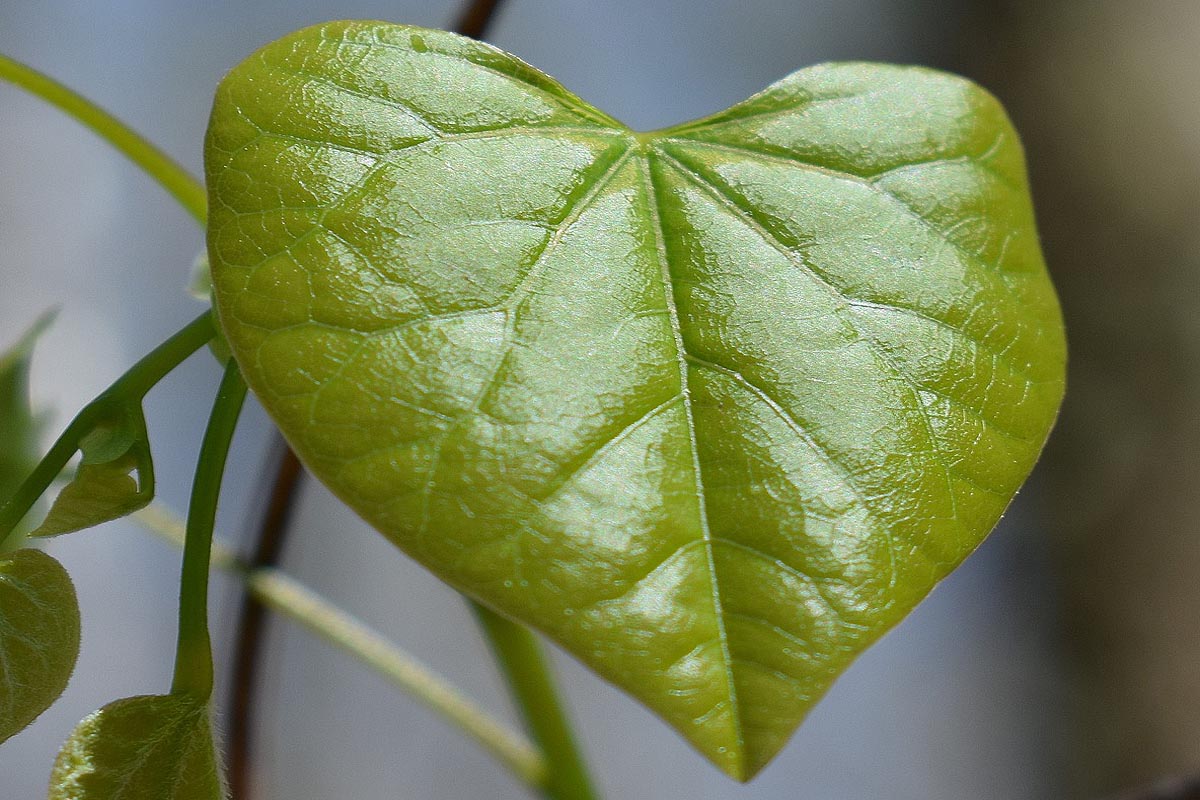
{"points": [[915, 403], [652, 205]]}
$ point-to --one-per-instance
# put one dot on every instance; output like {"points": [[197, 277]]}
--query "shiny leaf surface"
{"points": [[39, 636], [713, 406], [154, 747]]}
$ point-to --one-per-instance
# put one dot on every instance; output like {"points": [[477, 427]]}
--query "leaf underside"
{"points": [[152, 747], [713, 406], [39, 636]]}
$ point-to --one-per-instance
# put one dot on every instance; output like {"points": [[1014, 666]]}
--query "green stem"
{"points": [[532, 686], [129, 388], [193, 656], [152, 368], [292, 599], [182, 186], [53, 463]]}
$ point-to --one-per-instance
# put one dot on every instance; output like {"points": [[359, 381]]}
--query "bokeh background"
{"points": [[1060, 662]]}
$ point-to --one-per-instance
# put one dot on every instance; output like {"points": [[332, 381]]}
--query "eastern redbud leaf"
{"points": [[713, 406]]}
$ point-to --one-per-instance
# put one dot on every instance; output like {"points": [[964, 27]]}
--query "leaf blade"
{"points": [[150, 747], [525, 344], [19, 426], [39, 636], [115, 476]]}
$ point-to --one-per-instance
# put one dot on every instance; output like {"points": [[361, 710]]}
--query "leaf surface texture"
{"points": [[152, 747], [39, 636], [713, 406]]}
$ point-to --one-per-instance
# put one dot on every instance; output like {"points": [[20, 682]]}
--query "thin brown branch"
{"points": [[477, 17], [1171, 789], [252, 620]]}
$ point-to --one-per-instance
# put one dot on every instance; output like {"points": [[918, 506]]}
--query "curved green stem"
{"points": [[193, 656], [53, 463], [172, 177], [153, 367], [532, 686], [130, 388], [284, 594]]}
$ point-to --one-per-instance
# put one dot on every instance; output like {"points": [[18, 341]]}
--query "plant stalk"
{"points": [[172, 177], [193, 656], [129, 388], [297, 602], [532, 686], [153, 367]]}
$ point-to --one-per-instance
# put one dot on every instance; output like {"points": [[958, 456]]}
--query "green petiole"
{"points": [[528, 676], [125, 393], [172, 177], [300, 604], [142, 376], [193, 655]]}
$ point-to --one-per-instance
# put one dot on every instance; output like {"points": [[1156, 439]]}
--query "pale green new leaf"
{"points": [[154, 747], [39, 636], [713, 406], [200, 282], [115, 476]]}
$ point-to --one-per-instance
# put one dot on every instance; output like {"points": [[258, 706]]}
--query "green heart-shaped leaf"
{"points": [[39, 636], [153, 747], [712, 406]]}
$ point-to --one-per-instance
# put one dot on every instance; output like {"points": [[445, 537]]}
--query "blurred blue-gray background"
{"points": [[1059, 662]]}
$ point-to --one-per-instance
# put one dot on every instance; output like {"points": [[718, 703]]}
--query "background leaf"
{"points": [[152, 747], [713, 406], [19, 427], [115, 476], [39, 636]]}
